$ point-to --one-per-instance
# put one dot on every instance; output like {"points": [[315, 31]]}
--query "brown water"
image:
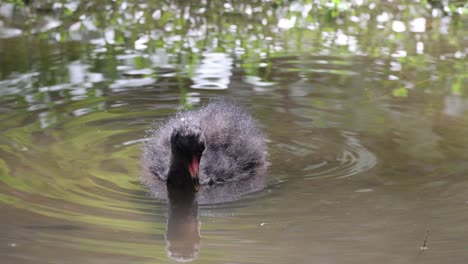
{"points": [[365, 106]]}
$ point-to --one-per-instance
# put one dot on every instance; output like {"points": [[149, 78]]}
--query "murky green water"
{"points": [[365, 105]]}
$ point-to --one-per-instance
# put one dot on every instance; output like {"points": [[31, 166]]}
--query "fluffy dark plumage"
{"points": [[233, 163]]}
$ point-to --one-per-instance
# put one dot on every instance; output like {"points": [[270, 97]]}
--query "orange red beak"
{"points": [[193, 168]]}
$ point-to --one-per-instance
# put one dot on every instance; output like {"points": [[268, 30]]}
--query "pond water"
{"points": [[364, 103]]}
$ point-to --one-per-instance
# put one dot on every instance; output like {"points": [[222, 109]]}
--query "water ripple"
{"points": [[352, 160], [90, 177]]}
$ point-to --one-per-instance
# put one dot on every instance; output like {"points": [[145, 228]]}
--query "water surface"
{"points": [[365, 107]]}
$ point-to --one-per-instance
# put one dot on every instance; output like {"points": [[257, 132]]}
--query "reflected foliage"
{"points": [[55, 52], [158, 37]]}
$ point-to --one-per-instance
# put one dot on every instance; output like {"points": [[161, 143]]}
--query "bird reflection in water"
{"points": [[183, 227]]}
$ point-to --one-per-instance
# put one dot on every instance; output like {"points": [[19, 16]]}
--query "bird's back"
{"points": [[235, 155], [236, 147]]}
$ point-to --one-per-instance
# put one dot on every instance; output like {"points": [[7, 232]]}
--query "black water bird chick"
{"points": [[217, 152]]}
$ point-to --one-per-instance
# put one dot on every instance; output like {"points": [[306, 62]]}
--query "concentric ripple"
{"points": [[77, 170], [353, 159]]}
